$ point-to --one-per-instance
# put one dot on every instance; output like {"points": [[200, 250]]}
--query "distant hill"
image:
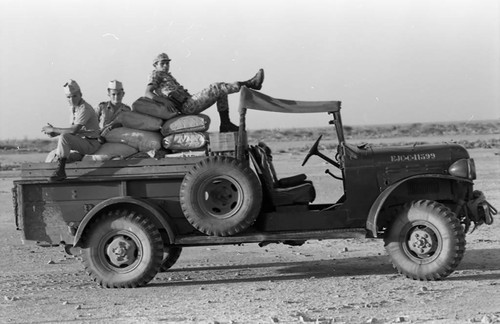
{"points": [[415, 130]]}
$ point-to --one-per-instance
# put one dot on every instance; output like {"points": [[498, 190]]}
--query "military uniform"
{"points": [[167, 86], [107, 112], [85, 141], [163, 84]]}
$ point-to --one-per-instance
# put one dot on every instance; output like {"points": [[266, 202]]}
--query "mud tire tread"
{"points": [[451, 257], [213, 167], [173, 254], [135, 279]]}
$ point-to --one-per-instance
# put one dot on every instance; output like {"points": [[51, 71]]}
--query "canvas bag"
{"points": [[150, 107], [186, 123], [136, 120], [141, 140], [185, 141]]}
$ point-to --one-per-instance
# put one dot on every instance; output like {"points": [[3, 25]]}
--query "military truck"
{"points": [[130, 219]]}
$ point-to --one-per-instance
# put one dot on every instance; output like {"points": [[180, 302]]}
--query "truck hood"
{"points": [[393, 164], [425, 154]]}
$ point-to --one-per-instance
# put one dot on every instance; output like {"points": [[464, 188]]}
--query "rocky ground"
{"points": [[334, 281]]}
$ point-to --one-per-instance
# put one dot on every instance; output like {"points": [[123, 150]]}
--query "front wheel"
{"points": [[425, 241], [122, 249]]}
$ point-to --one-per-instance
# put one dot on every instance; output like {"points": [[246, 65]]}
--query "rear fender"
{"points": [[159, 217], [373, 215]]}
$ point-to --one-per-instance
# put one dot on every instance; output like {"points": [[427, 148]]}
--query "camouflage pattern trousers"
{"points": [[215, 93]]}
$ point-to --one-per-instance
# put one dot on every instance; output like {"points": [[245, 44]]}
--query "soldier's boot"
{"points": [[225, 123], [60, 173], [255, 82]]}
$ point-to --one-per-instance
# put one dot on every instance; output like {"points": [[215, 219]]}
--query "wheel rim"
{"points": [[422, 242], [220, 197], [120, 251]]}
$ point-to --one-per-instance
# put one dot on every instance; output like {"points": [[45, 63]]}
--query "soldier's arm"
{"points": [[53, 131], [150, 93], [98, 112]]}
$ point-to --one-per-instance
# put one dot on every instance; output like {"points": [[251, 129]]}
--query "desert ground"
{"points": [[331, 281]]}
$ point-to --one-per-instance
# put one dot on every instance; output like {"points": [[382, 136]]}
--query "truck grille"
{"points": [[423, 187]]}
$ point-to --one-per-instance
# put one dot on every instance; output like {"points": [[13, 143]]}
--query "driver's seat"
{"points": [[280, 192]]}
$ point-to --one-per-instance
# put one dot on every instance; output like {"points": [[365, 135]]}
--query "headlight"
{"points": [[464, 168]]}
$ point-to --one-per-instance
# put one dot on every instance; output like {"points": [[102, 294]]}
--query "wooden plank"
{"points": [[98, 172], [44, 180], [222, 142], [175, 167], [117, 163]]}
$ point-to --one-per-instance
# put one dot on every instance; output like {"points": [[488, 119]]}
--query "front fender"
{"points": [[371, 222], [157, 215]]}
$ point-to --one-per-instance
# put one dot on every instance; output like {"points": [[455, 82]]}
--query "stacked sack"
{"points": [[186, 135], [139, 132], [149, 127]]}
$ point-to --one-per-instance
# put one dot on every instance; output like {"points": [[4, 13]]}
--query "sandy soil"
{"points": [[334, 281]]}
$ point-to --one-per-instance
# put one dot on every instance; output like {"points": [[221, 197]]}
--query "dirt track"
{"points": [[349, 281]]}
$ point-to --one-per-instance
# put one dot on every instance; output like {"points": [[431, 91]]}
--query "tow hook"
{"points": [[481, 209]]}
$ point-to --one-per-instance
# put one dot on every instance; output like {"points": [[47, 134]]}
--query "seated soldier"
{"points": [[80, 136], [108, 110], [165, 89]]}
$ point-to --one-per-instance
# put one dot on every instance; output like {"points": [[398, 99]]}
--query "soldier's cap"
{"points": [[115, 85], [161, 57], [71, 87]]}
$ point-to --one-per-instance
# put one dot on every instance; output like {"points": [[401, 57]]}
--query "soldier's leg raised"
{"points": [[217, 93]]}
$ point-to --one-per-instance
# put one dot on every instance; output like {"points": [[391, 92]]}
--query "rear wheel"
{"points": [[170, 256], [220, 196], [122, 249], [425, 241]]}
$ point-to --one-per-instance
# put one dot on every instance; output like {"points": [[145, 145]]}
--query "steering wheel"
{"points": [[312, 151]]}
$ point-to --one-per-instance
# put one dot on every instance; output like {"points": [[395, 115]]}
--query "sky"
{"points": [[388, 61]]}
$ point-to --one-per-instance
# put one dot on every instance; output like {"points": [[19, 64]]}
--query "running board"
{"points": [[258, 237]]}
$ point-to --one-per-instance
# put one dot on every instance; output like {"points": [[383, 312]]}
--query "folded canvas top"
{"points": [[251, 99]]}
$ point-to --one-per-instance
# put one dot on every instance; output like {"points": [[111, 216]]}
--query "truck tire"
{"points": [[220, 196], [425, 241], [170, 256], [122, 249]]}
